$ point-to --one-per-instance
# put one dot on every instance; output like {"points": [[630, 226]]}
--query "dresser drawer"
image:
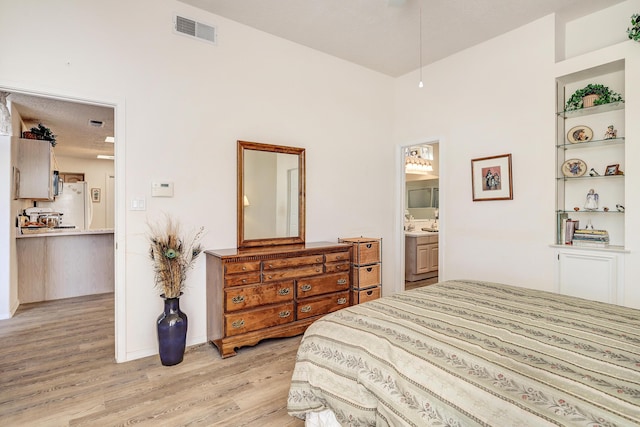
{"points": [[337, 257], [259, 318], [242, 279], [241, 267], [365, 250], [364, 295], [274, 264], [308, 287], [336, 267], [365, 276], [243, 297], [322, 305], [292, 273]]}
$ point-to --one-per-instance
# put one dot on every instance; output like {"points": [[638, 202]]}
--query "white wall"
{"points": [[95, 172], [181, 104], [498, 98], [495, 98]]}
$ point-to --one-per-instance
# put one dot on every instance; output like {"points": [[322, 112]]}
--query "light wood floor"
{"points": [[420, 283], [57, 368]]}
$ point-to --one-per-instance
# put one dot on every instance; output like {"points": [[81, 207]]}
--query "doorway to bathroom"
{"points": [[421, 208]]}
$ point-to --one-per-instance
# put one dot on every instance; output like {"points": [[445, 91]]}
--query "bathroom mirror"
{"points": [[271, 194]]}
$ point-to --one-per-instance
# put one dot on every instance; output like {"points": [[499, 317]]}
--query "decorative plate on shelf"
{"points": [[574, 168], [579, 134]]}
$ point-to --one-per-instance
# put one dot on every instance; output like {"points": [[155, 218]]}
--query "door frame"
{"points": [[118, 105], [401, 187]]}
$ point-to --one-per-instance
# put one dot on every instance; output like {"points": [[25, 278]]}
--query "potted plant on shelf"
{"points": [[172, 256], [634, 30], [590, 95]]}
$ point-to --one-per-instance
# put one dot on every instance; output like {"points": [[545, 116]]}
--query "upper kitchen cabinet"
{"points": [[35, 162]]}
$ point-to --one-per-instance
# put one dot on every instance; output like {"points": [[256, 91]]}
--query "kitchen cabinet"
{"points": [[35, 162], [65, 264], [273, 291], [421, 256]]}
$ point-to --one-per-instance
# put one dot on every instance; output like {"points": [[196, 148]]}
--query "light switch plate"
{"points": [[138, 204]]}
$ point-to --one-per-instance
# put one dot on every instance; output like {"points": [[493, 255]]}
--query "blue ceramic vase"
{"points": [[172, 332]]}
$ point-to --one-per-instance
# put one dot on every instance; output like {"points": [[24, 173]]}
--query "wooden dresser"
{"points": [[274, 291]]}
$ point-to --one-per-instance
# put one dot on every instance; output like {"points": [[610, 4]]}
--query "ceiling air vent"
{"points": [[196, 29]]}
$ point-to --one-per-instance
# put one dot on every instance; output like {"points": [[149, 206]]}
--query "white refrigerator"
{"points": [[74, 203]]}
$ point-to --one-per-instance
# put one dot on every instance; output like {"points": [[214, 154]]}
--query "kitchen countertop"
{"points": [[420, 233], [55, 232]]}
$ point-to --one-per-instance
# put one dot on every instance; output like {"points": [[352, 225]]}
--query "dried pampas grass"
{"points": [[172, 255]]}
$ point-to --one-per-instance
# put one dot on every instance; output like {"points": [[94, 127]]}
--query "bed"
{"points": [[461, 353]]}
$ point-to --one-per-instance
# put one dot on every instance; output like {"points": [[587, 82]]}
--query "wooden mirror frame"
{"points": [[269, 241]]}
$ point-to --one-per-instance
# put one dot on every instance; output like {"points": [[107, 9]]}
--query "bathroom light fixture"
{"points": [[420, 84], [245, 201], [416, 164], [105, 157], [110, 139]]}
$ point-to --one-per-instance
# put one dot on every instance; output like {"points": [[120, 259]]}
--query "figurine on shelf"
{"points": [[611, 133], [620, 208], [593, 172], [592, 200]]}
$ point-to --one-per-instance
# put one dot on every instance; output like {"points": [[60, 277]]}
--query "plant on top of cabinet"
{"points": [[41, 132], [634, 31], [601, 95]]}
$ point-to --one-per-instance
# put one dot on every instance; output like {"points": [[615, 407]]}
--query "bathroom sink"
{"points": [[430, 230]]}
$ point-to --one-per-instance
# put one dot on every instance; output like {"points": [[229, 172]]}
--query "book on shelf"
{"points": [[591, 244], [570, 225]]}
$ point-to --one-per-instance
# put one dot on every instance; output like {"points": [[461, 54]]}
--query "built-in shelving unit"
{"points": [[596, 157], [594, 161]]}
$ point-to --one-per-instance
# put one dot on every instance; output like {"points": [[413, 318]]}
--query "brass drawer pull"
{"points": [[339, 257], [319, 259], [342, 281], [342, 301], [269, 277], [305, 309], [305, 287], [238, 324], [270, 265], [244, 268], [318, 270], [284, 314], [238, 299], [283, 291], [244, 280]]}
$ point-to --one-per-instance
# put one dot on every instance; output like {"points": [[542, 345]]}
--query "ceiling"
{"points": [[70, 122], [384, 35]]}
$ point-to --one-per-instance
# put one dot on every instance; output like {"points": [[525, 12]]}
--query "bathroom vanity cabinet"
{"points": [[421, 256]]}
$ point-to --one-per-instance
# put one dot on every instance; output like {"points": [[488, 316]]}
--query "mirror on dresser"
{"points": [[271, 195]]}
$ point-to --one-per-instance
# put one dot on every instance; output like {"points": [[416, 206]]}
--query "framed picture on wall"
{"points": [[95, 195], [491, 178]]}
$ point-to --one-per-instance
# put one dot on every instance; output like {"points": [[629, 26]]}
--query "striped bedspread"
{"points": [[462, 353]]}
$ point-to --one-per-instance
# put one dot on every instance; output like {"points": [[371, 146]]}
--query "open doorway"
{"points": [[81, 129], [421, 213]]}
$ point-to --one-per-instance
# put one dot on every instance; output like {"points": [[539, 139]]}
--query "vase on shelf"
{"points": [[172, 332]]}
